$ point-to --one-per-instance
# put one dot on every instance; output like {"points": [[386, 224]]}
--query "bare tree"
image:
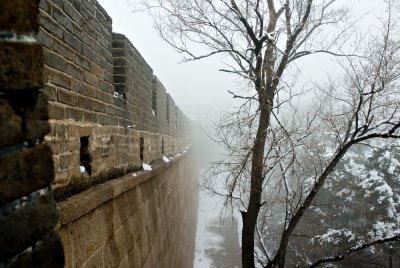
{"points": [[262, 41]]}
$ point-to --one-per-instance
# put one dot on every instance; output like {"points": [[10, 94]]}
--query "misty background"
{"points": [[201, 92]]}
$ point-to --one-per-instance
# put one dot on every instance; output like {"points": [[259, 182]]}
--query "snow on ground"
{"points": [[207, 212], [146, 166], [82, 168], [216, 241]]}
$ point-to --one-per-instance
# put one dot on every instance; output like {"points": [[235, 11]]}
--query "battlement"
{"points": [[108, 112], [80, 113]]}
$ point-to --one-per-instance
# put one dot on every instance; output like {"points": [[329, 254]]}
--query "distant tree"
{"points": [[271, 156], [360, 203]]}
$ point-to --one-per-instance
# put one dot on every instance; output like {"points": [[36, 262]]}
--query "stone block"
{"points": [[106, 86], [44, 38], [50, 91], [110, 110], [70, 10], [45, 6], [91, 79], [97, 69], [92, 91], [108, 120], [90, 117], [62, 49], [77, 4], [91, 232], [87, 10], [73, 133], [61, 18], [70, 146], [82, 62], [99, 107], [21, 66], [74, 71], [54, 60], [85, 131], [19, 16], [88, 52], [74, 113], [56, 110], [79, 87], [58, 3], [82, 36], [73, 42], [68, 161], [96, 260], [24, 172], [25, 221], [59, 78], [67, 97], [50, 25], [61, 177]]}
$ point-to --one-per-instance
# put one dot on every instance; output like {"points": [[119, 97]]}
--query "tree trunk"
{"points": [[250, 217]]}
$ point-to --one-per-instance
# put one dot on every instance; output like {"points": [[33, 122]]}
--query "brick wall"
{"points": [[103, 93], [28, 212], [109, 114]]}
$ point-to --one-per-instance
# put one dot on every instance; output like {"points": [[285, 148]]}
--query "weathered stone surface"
{"points": [[132, 221], [95, 261], [19, 16], [147, 220], [24, 172], [25, 221], [91, 233], [21, 65]]}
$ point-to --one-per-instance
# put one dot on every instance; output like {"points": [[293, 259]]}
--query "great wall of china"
{"points": [[81, 111]]}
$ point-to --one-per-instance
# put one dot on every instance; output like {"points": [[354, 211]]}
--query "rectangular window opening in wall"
{"points": [[162, 146], [85, 155], [176, 118], [141, 148], [154, 103], [167, 102]]}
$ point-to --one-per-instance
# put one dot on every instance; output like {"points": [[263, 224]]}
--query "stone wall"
{"points": [[28, 212], [143, 219], [108, 112]]}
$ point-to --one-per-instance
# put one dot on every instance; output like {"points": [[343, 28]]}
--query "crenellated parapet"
{"points": [[81, 112], [108, 112]]}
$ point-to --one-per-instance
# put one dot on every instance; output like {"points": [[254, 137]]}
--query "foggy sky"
{"points": [[198, 88]]}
